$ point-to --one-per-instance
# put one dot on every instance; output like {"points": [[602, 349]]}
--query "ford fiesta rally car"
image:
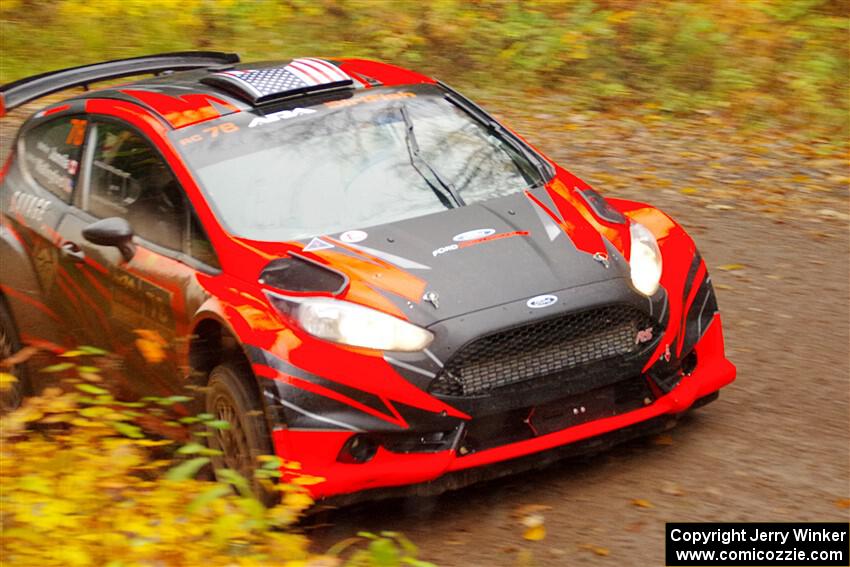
{"points": [[363, 270]]}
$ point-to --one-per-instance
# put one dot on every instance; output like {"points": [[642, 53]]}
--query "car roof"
{"points": [[185, 98]]}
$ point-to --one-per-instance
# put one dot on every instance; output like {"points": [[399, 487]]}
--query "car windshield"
{"points": [[369, 159]]}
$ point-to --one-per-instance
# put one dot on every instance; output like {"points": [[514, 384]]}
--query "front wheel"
{"points": [[231, 398]]}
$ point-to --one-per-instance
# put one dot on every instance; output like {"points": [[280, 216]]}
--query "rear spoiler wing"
{"points": [[22, 91]]}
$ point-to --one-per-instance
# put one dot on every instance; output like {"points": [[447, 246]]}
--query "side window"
{"points": [[129, 179], [52, 154], [200, 247]]}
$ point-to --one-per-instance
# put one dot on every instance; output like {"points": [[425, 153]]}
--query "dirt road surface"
{"points": [[771, 220], [770, 216]]}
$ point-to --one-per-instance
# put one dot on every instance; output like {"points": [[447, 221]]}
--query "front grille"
{"points": [[563, 347], [529, 422]]}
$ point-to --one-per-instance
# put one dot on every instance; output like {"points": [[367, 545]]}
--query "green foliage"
{"points": [[766, 62], [385, 550], [81, 486], [82, 482]]}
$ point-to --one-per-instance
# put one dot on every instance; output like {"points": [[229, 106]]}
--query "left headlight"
{"points": [[645, 260], [351, 324]]}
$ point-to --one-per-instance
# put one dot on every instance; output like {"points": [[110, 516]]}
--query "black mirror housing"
{"points": [[112, 231]]}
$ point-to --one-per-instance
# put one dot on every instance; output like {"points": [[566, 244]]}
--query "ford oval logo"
{"points": [[474, 234], [542, 301]]}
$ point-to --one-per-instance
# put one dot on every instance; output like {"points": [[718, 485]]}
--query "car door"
{"points": [[148, 299], [36, 195]]}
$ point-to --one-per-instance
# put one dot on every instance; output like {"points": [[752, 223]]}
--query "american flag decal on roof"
{"points": [[299, 75]]}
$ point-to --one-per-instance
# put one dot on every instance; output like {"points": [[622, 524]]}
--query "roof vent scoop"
{"points": [[266, 84]]}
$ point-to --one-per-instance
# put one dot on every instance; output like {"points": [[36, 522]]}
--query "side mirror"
{"points": [[113, 231]]}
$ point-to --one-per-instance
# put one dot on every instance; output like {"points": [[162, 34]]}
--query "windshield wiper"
{"points": [[446, 191], [543, 169]]}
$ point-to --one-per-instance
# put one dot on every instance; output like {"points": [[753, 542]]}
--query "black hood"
{"points": [[483, 255]]}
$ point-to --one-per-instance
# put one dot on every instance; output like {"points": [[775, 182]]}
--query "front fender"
{"points": [[691, 299]]}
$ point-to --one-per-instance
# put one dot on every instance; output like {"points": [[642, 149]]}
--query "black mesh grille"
{"points": [[542, 349]]}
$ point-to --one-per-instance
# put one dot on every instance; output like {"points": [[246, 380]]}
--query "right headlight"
{"points": [[352, 324], [645, 260]]}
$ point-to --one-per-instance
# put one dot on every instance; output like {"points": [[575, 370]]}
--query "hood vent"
{"points": [[601, 207], [302, 275]]}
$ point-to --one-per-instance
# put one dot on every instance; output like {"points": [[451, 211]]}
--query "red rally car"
{"points": [[363, 270]]}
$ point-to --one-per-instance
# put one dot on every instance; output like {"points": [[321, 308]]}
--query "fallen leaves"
{"points": [[832, 214], [726, 171], [642, 503], [731, 267], [596, 549], [535, 529], [672, 489], [530, 517]]}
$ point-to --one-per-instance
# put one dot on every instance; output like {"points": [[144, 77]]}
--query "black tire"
{"points": [[10, 343], [230, 397]]}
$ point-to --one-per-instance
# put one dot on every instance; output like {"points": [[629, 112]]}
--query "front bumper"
{"points": [[318, 450]]}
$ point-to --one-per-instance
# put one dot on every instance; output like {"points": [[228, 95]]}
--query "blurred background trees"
{"points": [[762, 62]]}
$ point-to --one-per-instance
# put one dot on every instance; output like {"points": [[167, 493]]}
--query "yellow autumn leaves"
{"points": [[151, 345], [82, 483], [85, 488], [531, 518], [7, 380]]}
